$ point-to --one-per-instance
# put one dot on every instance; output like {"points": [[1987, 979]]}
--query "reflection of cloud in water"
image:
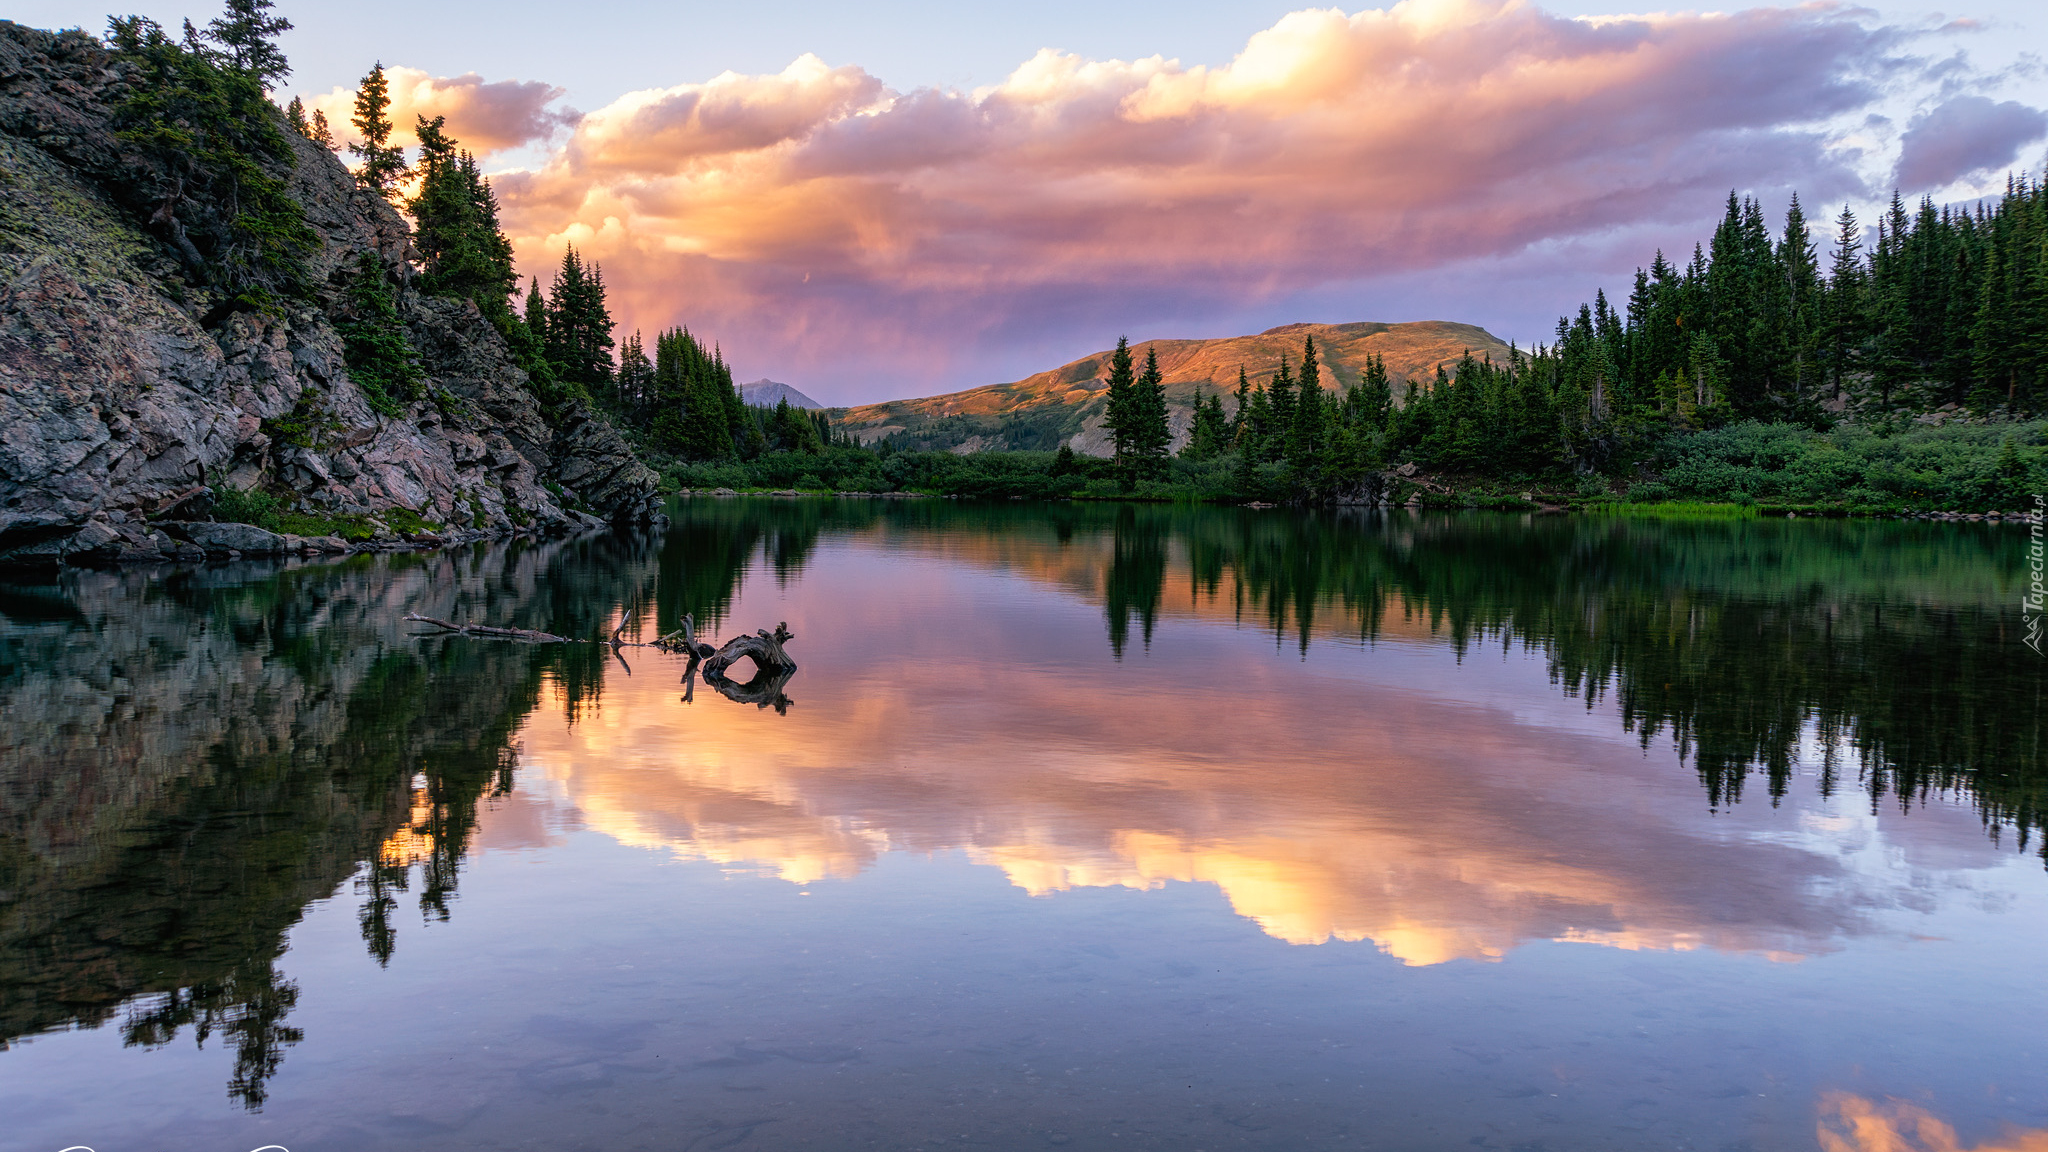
{"points": [[1323, 809], [1851, 1123]]}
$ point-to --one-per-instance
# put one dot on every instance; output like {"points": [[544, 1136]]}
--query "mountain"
{"points": [[1064, 405], [137, 382], [768, 393]]}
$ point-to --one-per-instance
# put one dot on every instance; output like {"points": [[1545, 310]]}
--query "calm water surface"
{"points": [[1085, 827]]}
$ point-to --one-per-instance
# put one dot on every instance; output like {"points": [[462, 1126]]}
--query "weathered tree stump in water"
{"points": [[763, 648], [772, 665]]}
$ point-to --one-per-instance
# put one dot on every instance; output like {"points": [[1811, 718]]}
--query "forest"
{"points": [[1901, 376], [1899, 368]]}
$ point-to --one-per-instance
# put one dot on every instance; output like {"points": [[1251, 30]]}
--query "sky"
{"points": [[906, 197]]}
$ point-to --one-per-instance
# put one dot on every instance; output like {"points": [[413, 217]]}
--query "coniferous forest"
{"points": [[1897, 367]]}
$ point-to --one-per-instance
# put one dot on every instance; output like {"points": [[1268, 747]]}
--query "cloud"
{"points": [[485, 116], [1965, 135], [832, 231]]}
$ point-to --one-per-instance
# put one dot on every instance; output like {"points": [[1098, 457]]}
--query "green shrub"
{"points": [[380, 356], [247, 506]]}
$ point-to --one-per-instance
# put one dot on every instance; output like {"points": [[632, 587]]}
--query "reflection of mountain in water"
{"points": [[1435, 827], [191, 759], [1889, 645]]}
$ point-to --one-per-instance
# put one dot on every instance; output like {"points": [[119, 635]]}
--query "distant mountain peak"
{"points": [[1064, 405], [768, 393]]}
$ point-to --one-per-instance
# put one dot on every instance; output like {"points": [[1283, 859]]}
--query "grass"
{"points": [[270, 513], [1675, 509]]}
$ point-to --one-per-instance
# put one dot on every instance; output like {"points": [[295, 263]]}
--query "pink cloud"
{"points": [[1964, 135], [831, 231], [485, 116]]}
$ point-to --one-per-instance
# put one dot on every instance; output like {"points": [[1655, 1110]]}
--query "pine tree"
{"points": [[455, 227], [248, 39], [1119, 414], [1280, 402], [295, 115], [1371, 400], [1210, 432], [536, 315], [383, 165], [1842, 341], [634, 387], [578, 338], [1799, 264], [321, 133], [1307, 439], [1151, 437]]}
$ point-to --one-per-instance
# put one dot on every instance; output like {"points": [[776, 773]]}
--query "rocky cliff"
{"points": [[126, 387]]}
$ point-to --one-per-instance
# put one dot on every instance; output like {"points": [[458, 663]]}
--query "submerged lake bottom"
{"points": [[1077, 826]]}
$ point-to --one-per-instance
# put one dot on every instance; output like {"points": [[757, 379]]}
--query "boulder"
{"points": [[219, 539]]}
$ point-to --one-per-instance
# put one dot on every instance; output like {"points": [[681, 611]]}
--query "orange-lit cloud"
{"points": [[484, 116], [815, 220], [1332, 811], [1851, 1123]]}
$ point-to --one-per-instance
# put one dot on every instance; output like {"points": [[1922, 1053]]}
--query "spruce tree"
{"points": [[455, 227], [536, 315], [1799, 265], [321, 133], [248, 39], [578, 338], [1373, 398], [1843, 339], [1148, 408], [383, 165], [634, 387], [1280, 402], [295, 115], [1306, 439], [1119, 417]]}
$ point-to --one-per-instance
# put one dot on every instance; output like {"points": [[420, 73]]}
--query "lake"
{"points": [[1082, 826]]}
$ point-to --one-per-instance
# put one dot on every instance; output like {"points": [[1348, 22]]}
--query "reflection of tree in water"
{"points": [[247, 1007], [1889, 645], [1135, 581], [277, 734]]}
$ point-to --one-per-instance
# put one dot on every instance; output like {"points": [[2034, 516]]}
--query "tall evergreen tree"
{"points": [[1842, 342], [1119, 413], [578, 339], [383, 165], [461, 249], [1307, 438], [1280, 403], [1799, 266], [248, 40], [1150, 435]]}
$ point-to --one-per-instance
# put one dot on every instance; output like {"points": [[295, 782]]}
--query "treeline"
{"points": [[1947, 307]]}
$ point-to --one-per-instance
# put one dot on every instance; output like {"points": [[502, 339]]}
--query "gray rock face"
{"points": [[219, 539], [123, 387]]}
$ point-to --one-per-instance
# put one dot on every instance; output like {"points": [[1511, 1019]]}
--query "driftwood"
{"points": [[525, 635], [763, 648], [763, 691], [772, 664]]}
